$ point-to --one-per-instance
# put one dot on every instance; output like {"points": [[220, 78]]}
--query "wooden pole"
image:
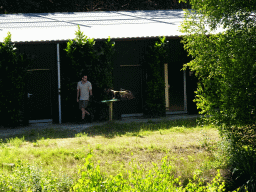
{"points": [[110, 111]]}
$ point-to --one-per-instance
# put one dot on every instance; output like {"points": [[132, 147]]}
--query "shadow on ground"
{"points": [[107, 130]]}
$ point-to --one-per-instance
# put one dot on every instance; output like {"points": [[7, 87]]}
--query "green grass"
{"points": [[117, 149]]}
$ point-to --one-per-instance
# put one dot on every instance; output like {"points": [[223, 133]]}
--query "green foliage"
{"points": [[226, 72], [12, 83], [82, 56], [155, 92], [159, 178], [94, 62], [225, 64], [243, 161], [25, 177], [49, 6], [16, 142], [31, 178], [226, 12], [243, 136]]}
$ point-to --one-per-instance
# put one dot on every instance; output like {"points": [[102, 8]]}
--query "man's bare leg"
{"points": [[87, 112], [84, 112]]}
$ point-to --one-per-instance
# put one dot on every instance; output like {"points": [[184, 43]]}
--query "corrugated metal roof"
{"points": [[97, 25]]}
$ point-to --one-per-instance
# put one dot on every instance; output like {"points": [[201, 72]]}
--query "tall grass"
{"points": [[134, 157], [159, 178]]}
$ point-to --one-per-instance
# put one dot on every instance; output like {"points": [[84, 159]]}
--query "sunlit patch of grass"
{"points": [[45, 142], [81, 141], [15, 142], [188, 147], [82, 134]]}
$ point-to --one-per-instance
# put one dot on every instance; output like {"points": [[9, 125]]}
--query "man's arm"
{"points": [[90, 89], [77, 94]]}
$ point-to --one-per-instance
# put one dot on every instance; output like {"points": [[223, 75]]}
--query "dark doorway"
{"points": [[129, 78], [39, 105], [191, 88], [176, 87]]}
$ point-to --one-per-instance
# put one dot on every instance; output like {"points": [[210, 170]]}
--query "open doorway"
{"points": [[175, 96]]}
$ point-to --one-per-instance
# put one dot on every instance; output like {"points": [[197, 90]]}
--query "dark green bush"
{"points": [[97, 64], [155, 92], [12, 84], [239, 152], [243, 168]]}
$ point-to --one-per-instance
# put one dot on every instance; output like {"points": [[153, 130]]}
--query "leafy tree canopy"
{"points": [[47, 6], [225, 63]]}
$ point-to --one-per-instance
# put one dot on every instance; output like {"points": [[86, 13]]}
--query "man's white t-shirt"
{"points": [[84, 89]]}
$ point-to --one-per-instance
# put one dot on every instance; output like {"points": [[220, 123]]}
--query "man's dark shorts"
{"points": [[83, 104]]}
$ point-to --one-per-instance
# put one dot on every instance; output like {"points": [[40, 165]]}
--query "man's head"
{"points": [[84, 78]]}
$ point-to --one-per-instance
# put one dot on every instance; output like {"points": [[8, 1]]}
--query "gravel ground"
{"points": [[7, 132]]}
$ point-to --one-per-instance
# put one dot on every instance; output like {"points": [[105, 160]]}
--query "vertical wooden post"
{"points": [[185, 92], [167, 104], [110, 111]]}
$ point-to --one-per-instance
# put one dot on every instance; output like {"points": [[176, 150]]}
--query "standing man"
{"points": [[84, 90]]}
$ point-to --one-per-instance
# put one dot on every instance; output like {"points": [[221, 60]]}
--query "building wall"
{"points": [[128, 73]]}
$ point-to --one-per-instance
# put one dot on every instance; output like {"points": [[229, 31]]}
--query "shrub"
{"points": [[243, 168], [155, 92], [32, 178], [85, 58], [12, 83], [159, 178]]}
